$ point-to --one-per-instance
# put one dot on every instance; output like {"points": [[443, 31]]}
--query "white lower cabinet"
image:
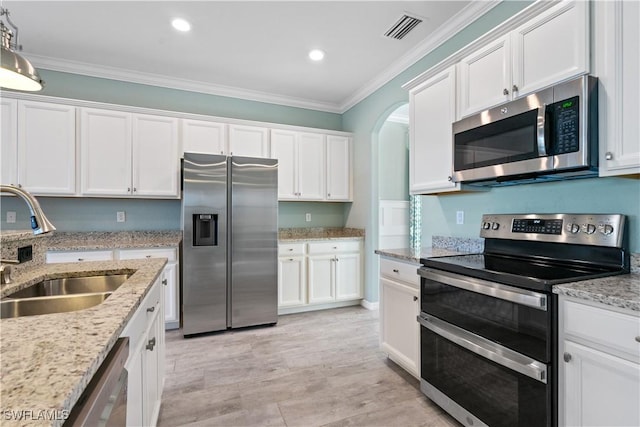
{"points": [[145, 365], [170, 281], [399, 309], [599, 365], [319, 274]]}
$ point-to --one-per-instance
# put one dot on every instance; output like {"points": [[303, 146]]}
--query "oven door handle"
{"points": [[496, 290], [487, 349]]}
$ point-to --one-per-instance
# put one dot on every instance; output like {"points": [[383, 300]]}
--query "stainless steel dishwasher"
{"points": [[104, 401]]}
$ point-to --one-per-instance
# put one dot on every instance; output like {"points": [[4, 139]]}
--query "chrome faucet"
{"points": [[39, 222]]}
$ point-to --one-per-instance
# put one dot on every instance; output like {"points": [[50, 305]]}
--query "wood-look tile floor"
{"points": [[321, 368]]}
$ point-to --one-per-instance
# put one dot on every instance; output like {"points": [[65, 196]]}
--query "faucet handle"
{"points": [[5, 274]]}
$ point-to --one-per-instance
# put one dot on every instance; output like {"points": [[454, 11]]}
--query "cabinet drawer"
{"points": [[601, 326], [169, 253], [285, 249], [334, 247], [54, 257], [139, 322], [398, 270]]}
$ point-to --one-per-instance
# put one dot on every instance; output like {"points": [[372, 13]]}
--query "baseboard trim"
{"points": [[370, 305]]}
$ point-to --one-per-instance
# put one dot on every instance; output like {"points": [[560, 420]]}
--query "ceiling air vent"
{"points": [[402, 27]]}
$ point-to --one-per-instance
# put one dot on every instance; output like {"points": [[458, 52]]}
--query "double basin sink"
{"points": [[60, 295]]}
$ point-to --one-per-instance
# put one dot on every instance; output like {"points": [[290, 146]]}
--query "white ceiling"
{"points": [[249, 49]]}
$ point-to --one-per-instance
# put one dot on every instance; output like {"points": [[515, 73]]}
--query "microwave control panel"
{"points": [[566, 125]]}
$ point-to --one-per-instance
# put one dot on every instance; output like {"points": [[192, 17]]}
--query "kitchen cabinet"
{"points": [[201, 136], [552, 47], [399, 308], [126, 154], [170, 281], [248, 141], [617, 37], [292, 275], [431, 113], [145, 365], [46, 135], [339, 181], [9, 141], [599, 364], [334, 271], [301, 164]]}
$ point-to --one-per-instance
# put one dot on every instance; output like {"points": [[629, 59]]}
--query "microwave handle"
{"points": [[543, 133]]}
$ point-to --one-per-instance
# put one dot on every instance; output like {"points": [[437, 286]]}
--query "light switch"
{"points": [[120, 217], [11, 217], [307, 217]]}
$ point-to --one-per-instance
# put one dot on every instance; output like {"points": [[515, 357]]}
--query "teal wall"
{"points": [[292, 214], [393, 161]]}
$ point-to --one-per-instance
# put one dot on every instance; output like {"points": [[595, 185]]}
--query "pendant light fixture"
{"points": [[15, 71]]}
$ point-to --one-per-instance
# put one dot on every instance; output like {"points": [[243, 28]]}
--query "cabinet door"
{"points": [[284, 148], [431, 113], [9, 141], [151, 373], [485, 77], [135, 397], [311, 166], [400, 332], [105, 152], [200, 136], [171, 296], [600, 389], [321, 279], [47, 147], [617, 38], [347, 277], [552, 47], [156, 162], [249, 141], [338, 168], [292, 283]]}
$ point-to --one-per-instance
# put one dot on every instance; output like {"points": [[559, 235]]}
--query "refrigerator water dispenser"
{"points": [[205, 230]]}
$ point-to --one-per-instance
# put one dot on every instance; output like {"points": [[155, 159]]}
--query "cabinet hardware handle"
{"points": [[135, 189], [19, 185], [514, 88], [147, 256], [395, 270], [608, 155], [505, 91], [415, 298], [164, 282], [151, 343], [449, 178], [567, 357], [290, 249], [221, 152], [128, 189], [328, 194], [290, 259], [151, 309], [638, 338], [335, 247], [80, 259]]}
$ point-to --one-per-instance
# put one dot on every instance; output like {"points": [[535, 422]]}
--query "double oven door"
{"points": [[487, 350]]}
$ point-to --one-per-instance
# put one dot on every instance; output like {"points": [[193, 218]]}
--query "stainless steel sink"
{"points": [[49, 304], [72, 285]]}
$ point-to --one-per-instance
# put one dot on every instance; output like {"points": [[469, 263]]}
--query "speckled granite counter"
{"points": [[411, 255], [318, 233], [67, 241], [48, 360], [621, 291]]}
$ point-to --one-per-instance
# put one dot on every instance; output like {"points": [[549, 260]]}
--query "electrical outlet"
{"points": [[11, 217], [120, 217], [459, 217], [25, 253], [307, 217]]}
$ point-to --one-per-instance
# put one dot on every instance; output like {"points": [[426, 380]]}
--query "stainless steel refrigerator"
{"points": [[230, 242]]}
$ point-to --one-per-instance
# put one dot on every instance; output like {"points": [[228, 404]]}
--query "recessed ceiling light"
{"points": [[181, 25], [316, 55]]}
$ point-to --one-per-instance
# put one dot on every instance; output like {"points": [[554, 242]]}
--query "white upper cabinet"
{"points": [[124, 154], [339, 184], [552, 47], [201, 136], [431, 113], [617, 37], [249, 141], [284, 148], [9, 141], [47, 148]]}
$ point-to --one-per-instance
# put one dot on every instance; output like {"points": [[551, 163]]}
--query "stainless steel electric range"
{"points": [[489, 321]]}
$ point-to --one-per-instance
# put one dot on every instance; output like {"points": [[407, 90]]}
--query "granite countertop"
{"points": [[414, 255], [68, 241], [48, 360], [319, 233]]}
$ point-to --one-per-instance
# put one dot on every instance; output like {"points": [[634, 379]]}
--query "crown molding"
{"points": [[453, 26], [121, 74]]}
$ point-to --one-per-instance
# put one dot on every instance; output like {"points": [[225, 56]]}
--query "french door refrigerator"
{"points": [[230, 233]]}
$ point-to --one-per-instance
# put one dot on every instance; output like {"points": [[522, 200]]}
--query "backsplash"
{"points": [[460, 244]]}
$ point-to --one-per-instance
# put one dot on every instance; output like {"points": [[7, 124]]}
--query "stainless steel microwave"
{"points": [[548, 135]]}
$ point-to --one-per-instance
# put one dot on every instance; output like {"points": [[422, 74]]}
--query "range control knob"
{"points": [[495, 225], [588, 228], [605, 229], [486, 225], [573, 228]]}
